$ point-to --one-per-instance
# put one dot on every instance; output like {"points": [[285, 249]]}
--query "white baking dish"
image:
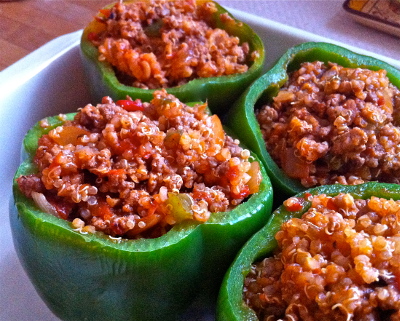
{"points": [[50, 81]]}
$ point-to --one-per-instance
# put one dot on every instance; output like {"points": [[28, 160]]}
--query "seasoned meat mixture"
{"points": [[340, 261], [134, 169], [160, 43], [331, 124]]}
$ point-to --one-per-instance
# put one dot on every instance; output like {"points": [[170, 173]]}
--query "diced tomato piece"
{"points": [[294, 204], [131, 105], [105, 12], [244, 192], [233, 173], [56, 161], [381, 101], [116, 172], [331, 205], [125, 145], [92, 36], [103, 210]]}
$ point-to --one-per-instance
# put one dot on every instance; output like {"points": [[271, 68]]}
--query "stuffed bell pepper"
{"points": [[124, 210], [195, 49], [329, 253], [323, 115]]}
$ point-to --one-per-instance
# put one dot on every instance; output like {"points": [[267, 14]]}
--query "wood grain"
{"points": [[25, 25]]}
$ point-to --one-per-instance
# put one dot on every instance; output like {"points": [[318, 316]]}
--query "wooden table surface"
{"points": [[25, 25]]}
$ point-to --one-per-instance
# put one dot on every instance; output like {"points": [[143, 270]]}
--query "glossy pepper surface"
{"points": [[242, 115], [230, 301], [97, 277], [219, 92]]}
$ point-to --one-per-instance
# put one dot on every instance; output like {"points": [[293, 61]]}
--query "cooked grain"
{"points": [[330, 124], [160, 43], [340, 261]]}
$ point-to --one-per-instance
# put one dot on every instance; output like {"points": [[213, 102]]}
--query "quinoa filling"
{"points": [[160, 43], [330, 124], [340, 261], [134, 169]]}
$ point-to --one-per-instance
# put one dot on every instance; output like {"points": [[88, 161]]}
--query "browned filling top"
{"points": [[160, 43], [340, 261], [135, 169], [332, 124]]}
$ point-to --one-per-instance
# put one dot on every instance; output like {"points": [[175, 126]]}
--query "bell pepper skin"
{"points": [[242, 118], [231, 306], [219, 92], [97, 277]]}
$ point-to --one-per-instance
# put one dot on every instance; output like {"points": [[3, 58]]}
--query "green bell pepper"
{"points": [[96, 277], [242, 115], [219, 92], [231, 306]]}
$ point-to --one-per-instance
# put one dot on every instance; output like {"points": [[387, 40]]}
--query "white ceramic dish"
{"points": [[50, 81]]}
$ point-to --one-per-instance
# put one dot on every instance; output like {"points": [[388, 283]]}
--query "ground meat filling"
{"points": [[159, 44], [331, 124], [135, 169], [340, 261]]}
